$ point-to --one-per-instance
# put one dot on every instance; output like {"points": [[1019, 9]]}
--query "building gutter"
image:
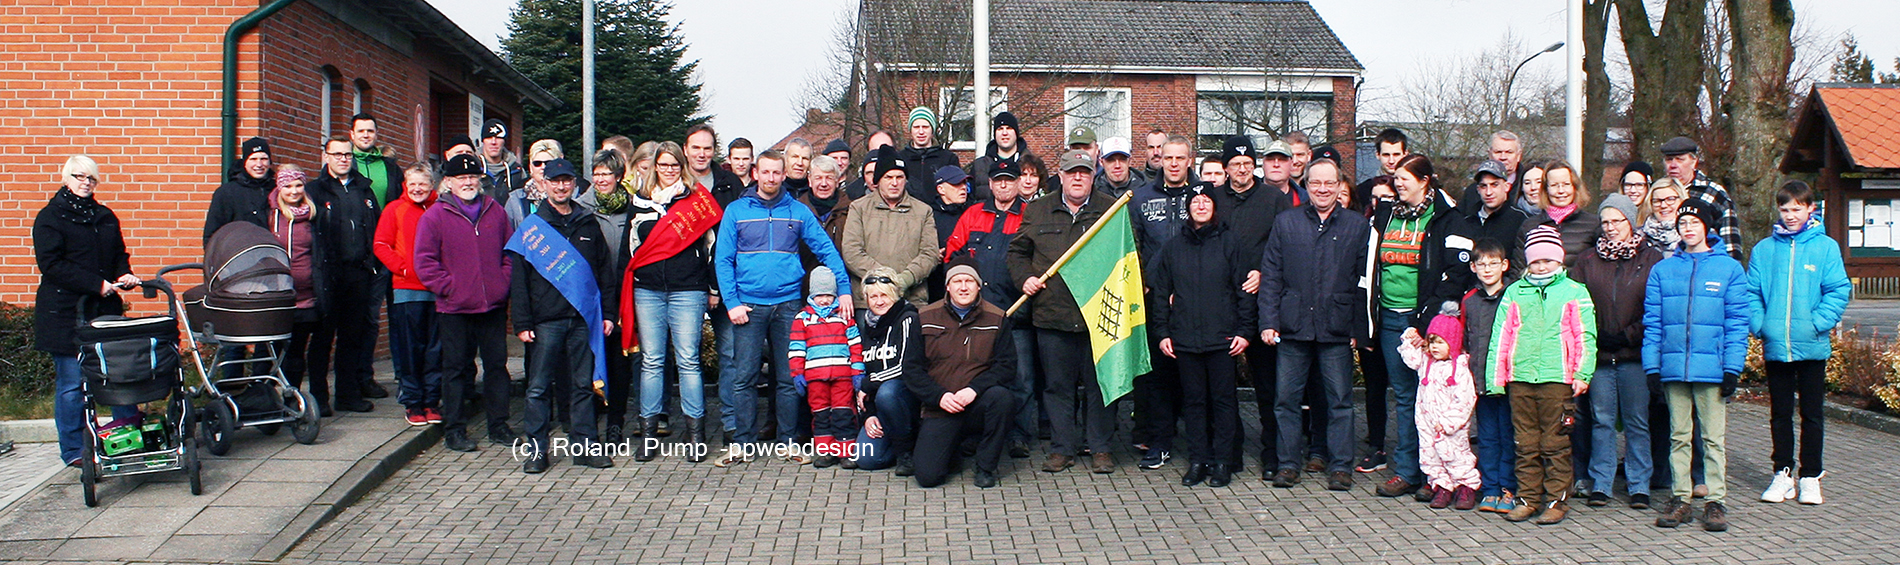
{"points": [[232, 35]]}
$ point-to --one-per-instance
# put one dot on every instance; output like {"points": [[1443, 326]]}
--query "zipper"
{"points": [[1688, 326], [1787, 343]]}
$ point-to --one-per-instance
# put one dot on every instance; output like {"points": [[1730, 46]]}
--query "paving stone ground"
{"points": [[453, 508]]}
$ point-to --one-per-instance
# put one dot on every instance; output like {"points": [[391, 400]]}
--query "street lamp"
{"points": [[1505, 109]]}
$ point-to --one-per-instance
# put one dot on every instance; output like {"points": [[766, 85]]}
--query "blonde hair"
{"points": [[887, 288], [80, 165], [1665, 183], [1582, 198], [545, 146], [639, 183]]}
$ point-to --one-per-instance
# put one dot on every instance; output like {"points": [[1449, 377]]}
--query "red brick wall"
{"points": [[1345, 118]]}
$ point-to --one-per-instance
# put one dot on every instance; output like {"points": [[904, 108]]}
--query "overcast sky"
{"points": [[754, 55]]}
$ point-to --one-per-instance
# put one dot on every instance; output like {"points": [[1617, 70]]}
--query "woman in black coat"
{"points": [[1203, 316], [80, 252]]}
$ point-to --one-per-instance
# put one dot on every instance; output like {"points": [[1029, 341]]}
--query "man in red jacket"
{"points": [[459, 258], [413, 347]]}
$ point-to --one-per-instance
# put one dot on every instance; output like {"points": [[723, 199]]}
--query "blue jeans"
{"points": [[722, 341], [670, 318], [416, 353], [1028, 376], [897, 413], [1297, 362], [767, 325], [1404, 396], [69, 407], [1497, 445], [1620, 392], [561, 352]]}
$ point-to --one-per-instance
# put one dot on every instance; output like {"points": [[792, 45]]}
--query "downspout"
{"points": [[231, 37]]}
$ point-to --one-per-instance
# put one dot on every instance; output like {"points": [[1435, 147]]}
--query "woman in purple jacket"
{"points": [[459, 258]]}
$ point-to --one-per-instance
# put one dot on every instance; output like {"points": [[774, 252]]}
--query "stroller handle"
{"points": [[162, 271]]}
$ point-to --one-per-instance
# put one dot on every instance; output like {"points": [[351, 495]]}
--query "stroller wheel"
{"points": [[308, 424], [89, 473], [219, 423]]}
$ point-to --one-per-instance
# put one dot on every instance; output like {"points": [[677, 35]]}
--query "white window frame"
{"points": [[999, 102], [1069, 121]]}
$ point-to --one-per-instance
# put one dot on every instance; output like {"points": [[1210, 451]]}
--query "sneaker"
{"points": [[1339, 481], [731, 458], [905, 467], [1286, 478], [1520, 511], [1371, 463], [1506, 503], [1700, 491], [375, 389], [1488, 504], [1441, 498], [1714, 517], [1553, 514], [1811, 489], [1395, 487], [1315, 465], [1464, 498], [1425, 495], [415, 417], [1155, 459], [434, 416], [1598, 499], [1676, 512], [1639, 501], [1781, 488], [1057, 462], [458, 440]]}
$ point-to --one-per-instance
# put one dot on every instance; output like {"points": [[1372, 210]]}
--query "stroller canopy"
{"points": [[243, 259]]}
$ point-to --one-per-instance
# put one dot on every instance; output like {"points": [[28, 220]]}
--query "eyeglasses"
{"points": [[1635, 185], [1489, 264], [1323, 183], [1610, 222], [667, 165], [1667, 199], [82, 177], [330, 154], [879, 280]]}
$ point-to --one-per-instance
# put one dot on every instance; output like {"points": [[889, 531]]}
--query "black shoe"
{"points": [[1286, 478], [1598, 499], [1018, 450], [613, 434], [373, 389], [358, 405], [594, 461], [905, 467], [502, 435], [1340, 481], [985, 479], [1220, 476], [535, 465], [1371, 463], [323, 409], [457, 440], [847, 463], [696, 440], [649, 427], [1639, 501], [1196, 473], [824, 461]]}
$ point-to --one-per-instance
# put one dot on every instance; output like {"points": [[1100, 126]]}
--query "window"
{"points": [[332, 82], [960, 123], [361, 100], [1104, 110], [1261, 116]]}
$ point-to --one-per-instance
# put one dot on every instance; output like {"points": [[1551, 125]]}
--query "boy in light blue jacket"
{"points": [[1799, 285]]}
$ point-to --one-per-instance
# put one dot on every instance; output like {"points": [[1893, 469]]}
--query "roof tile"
{"points": [[1868, 120]]}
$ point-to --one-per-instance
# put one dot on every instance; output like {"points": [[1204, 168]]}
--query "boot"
{"points": [[649, 428], [696, 439]]}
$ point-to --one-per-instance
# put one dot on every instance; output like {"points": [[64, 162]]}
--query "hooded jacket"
{"points": [[1617, 288], [1696, 313], [1801, 286], [612, 226], [511, 178], [375, 161], [1543, 334], [1136, 179], [755, 257], [350, 215], [824, 346], [534, 300], [1444, 270], [1480, 312], [1157, 212], [1048, 230], [893, 348], [1250, 215], [396, 240], [902, 237], [1196, 279], [241, 198], [303, 241], [974, 351], [1315, 276], [460, 258], [979, 169], [1506, 226], [983, 234], [78, 248], [920, 169], [1445, 395]]}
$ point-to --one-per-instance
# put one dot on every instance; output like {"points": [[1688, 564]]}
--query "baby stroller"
{"points": [[248, 298], [127, 362]]}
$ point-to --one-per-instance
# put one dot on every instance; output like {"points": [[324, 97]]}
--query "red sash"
{"points": [[681, 227]]}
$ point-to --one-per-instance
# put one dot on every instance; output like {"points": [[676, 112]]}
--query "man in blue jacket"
{"points": [[760, 277], [1696, 313]]}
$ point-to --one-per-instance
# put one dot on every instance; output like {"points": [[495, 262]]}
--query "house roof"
{"points": [[1200, 36], [1864, 120], [419, 17]]}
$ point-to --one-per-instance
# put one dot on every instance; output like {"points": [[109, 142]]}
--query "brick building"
{"points": [[136, 86], [1203, 68]]}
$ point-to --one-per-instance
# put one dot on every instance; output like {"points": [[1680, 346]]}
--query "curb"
{"points": [[366, 475], [1864, 418], [29, 431]]}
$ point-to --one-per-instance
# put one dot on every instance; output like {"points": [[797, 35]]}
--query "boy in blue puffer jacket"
{"points": [[1696, 314], [1799, 282]]}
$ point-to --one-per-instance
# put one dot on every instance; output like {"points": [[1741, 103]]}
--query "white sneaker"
{"points": [[1811, 489], [1782, 488]]}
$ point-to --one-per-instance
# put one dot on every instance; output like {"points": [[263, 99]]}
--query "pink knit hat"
{"points": [[1448, 326], [1543, 242]]}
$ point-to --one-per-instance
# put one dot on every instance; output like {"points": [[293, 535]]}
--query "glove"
{"points": [[1729, 380], [799, 381]]}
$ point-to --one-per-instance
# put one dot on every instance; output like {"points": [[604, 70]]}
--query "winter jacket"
{"points": [[1250, 215], [893, 347], [78, 248], [1136, 179], [1444, 268], [1157, 212], [725, 188], [384, 174], [396, 240], [983, 234], [612, 226], [975, 351], [518, 205], [509, 179], [1696, 313], [755, 257], [1579, 231], [1543, 334], [240, 199], [902, 237], [1445, 395], [944, 216], [304, 244], [825, 347], [920, 169], [1617, 287], [689, 270], [460, 258], [1506, 226], [979, 168], [1315, 275], [854, 189], [1800, 287], [1479, 312], [1195, 281], [534, 300], [833, 219], [796, 187], [350, 215], [1048, 230]]}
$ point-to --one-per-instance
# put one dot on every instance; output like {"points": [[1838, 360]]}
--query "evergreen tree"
{"points": [[1851, 65], [642, 87]]}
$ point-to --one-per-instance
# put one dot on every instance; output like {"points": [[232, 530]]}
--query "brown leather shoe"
{"points": [[1057, 462], [1552, 514], [1103, 464], [1523, 511]]}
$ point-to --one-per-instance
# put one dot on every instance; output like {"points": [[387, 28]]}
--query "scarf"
{"points": [[612, 202], [1542, 280], [1782, 229], [83, 209], [533, 192], [1558, 213], [669, 193], [824, 204], [1404, 211], [295, 212], [471, 208], [1620, 249], [1660, 231]]}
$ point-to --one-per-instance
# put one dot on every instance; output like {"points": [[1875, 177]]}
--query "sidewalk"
{"points": [[258, 501]]}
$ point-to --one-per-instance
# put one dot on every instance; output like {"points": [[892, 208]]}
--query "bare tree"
{"points": [[1451, 107]]}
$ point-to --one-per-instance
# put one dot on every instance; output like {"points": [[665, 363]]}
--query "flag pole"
{"points": [[1066, 255]]}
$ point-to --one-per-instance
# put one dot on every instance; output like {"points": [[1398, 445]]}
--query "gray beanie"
{"points": [[822, 282], [1622, 204]]}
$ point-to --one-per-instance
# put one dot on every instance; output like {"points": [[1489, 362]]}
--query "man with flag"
{"points": [[1052, 226], [556, 306]]}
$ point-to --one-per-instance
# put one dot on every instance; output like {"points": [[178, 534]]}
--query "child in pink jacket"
{"points": [[1446, 396]]}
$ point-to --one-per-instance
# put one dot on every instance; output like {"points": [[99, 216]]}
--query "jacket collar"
{"points": [[1015, 208]]}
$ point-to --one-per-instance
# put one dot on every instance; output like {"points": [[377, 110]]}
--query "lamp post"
{"points": [[1505, 109]]}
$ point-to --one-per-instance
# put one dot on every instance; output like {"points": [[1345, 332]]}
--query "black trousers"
{"points": [[620, 379], [1378, 384], [298, 360], [1801, 384], [1210, 405], [1076, 422], [1263, 366], [988, 417], [1157, 399], [463, 337], [350, 324]]}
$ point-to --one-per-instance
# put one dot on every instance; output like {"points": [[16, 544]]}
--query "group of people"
{"points": [[874, 316]]}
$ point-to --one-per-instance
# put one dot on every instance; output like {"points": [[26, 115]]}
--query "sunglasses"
{"points": [[879, 280], [538, 163]]}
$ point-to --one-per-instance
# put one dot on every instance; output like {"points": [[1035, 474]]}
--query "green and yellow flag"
{"points": [[1104, 274]]}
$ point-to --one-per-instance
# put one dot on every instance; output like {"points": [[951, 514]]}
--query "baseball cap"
{"points": [[1115, 145], [1081, 134], [1077, 158]]}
